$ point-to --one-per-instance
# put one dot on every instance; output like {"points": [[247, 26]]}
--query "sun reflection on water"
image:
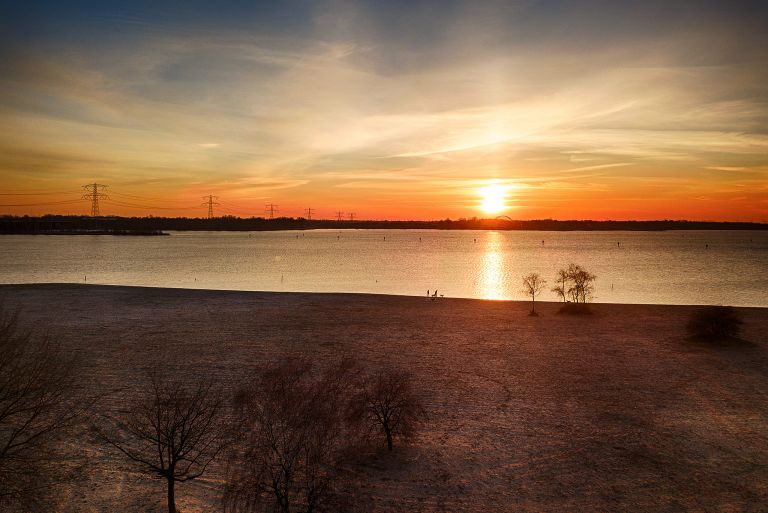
{"points": [[491, 284]]}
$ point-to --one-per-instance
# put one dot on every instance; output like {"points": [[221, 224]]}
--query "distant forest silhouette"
{"points": [[155, 225]]}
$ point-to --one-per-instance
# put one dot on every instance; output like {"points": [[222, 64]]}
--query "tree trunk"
{"points": [[283, 503], [171, 498], [389, 438]]}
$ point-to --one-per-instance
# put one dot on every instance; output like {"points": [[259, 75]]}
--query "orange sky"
{"points": [[577, 112]]}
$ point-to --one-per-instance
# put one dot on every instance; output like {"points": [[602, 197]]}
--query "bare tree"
{"points": [[39, 403], [391, 406], [296, 432], [575, 284], [173, 430], [533, 284], [561, 289], [581, 284]]}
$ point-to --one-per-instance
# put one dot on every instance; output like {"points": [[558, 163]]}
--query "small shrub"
{"points": [[714, 323], [575, 309]]}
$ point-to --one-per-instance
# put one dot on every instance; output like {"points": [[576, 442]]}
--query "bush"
{"points": [[575, 309], [715, 323]]}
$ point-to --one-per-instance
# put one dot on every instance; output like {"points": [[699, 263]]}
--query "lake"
{"points": [[673, 267]]}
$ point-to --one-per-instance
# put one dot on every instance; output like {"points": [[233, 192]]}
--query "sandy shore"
{"points": [[612, 412]]}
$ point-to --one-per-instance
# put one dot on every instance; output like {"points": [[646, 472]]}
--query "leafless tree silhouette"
{"points": [[173, 430], [582, 284], [390, 404], [533, 284], [575, 283], [296, 431], [561, 289], [40, 402]]}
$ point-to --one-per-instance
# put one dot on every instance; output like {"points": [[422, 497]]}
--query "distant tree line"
{"points": [[53, 224]]}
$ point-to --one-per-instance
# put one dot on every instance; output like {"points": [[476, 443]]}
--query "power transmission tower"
{"points": [[338, 215], [351, 216], [270, 209], [309, 211], [209, 202], [93, 194]]}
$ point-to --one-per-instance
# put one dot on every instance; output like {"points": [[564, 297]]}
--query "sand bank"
{"points": [[612, 412]]}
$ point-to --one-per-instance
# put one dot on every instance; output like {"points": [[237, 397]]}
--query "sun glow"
{"points": [[493, 198]]}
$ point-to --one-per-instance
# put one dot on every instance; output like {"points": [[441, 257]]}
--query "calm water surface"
{"points": [[676, 267]]}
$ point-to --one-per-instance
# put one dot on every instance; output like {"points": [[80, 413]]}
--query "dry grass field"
{"points": [[615, 411]]}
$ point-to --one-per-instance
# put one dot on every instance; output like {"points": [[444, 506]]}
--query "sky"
{"points": [[591, 109]]}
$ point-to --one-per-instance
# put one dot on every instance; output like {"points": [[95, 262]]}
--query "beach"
{"points": [[614, 411]]}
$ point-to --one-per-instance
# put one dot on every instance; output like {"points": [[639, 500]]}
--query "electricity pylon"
{"points": [[351, 216], [209, 202], [270, 208], [309, 211], [94, 196], [339, 214]]}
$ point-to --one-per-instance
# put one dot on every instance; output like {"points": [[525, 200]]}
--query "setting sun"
{"points": [[494, 197]]}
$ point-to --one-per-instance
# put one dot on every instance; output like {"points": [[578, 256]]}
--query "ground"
{"points": [[616, 411]]}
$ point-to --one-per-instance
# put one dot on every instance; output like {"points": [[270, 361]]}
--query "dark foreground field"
{"points": [[617, 411]]}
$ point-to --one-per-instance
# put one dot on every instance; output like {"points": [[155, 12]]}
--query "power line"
{"points": [[41, 193], [94, 196], [50, 203], [233, 211], [149, 207], [210, 203], [240, 208], [147, 198]]}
